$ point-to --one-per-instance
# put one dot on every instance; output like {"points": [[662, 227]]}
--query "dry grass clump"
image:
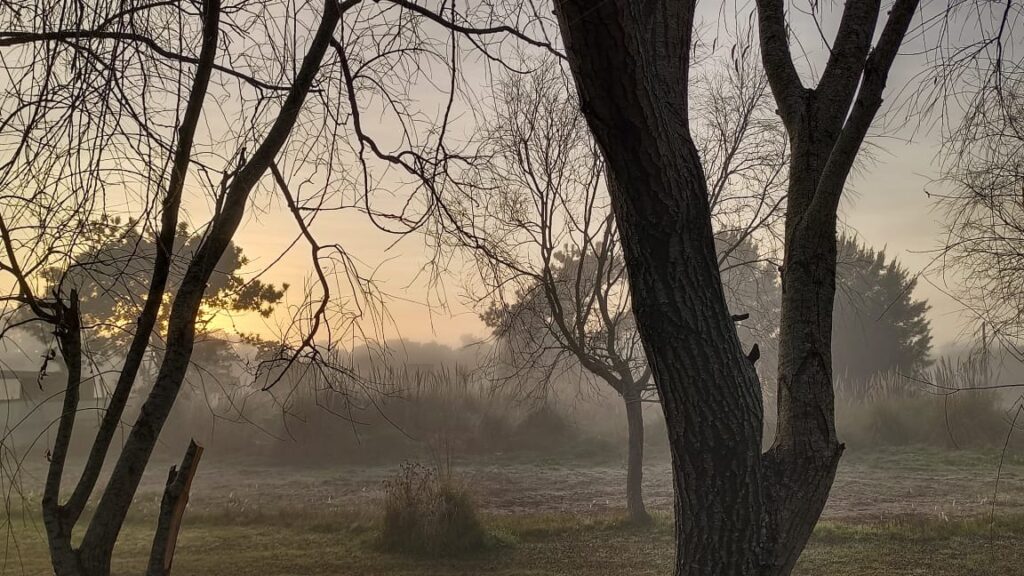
{"points": [[430, 513]]}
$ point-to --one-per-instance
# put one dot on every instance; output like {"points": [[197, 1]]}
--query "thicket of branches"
{"points": [[144, 109], [197, 113]]}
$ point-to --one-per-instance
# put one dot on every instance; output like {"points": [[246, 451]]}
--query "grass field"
{"points": [[893, 512]]}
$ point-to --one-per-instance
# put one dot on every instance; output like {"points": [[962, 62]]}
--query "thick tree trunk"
{"points": [[737, 511], [635, 462], [636, 105]]}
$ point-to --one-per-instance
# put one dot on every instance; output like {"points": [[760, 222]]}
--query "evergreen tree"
{"points": [[877, 325]]}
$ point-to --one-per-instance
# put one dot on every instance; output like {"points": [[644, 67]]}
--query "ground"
{"points": [[891, 512]]}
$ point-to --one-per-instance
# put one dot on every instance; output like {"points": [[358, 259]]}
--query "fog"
{"points": [[511, 288]]}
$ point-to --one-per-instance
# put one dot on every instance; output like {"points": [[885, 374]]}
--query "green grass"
{"points": [[343, 543], [929, 459], [888, 517], [967, 547]]}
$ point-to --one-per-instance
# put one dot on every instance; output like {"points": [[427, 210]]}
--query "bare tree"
{"points": [[61, 309], [547, 249], [548, 254], [738, 511], [980, 194], [167, 107]]}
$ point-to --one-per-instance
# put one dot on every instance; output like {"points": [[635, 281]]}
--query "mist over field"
{"points": [[609, 287]]}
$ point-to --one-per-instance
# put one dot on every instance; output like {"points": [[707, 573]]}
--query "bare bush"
{"points": [[429, 512]]}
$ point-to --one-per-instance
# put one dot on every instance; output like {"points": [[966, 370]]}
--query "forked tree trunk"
{"points": [[801, 464], [826, 127], [104, 527], [709, 391], [635, 461], [61, 518], [737, 512]]}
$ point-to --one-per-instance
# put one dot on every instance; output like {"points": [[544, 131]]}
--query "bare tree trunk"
{"points": [[60, 519], [737, 512], [635, 462], [58, 525], [169, 215], [826, 126], [709, 390], [801, 464], [101, 535]]}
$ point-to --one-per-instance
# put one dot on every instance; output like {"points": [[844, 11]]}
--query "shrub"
{"points": [[973, 419], [965, 420], [540, 429], [429, 513]]}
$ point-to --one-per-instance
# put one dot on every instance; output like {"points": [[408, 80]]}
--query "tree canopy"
{"points": [[877, 324], [110, 275]]}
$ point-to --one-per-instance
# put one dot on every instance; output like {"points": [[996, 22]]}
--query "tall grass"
{"points": [[950, 405], [384, 414]]}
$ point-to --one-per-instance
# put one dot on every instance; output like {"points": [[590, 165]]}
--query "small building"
{"points": [[30, 407]]}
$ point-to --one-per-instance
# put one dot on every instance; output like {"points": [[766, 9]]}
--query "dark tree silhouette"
{"points": [[109, 275], [547, 249], [738, 511], [877, 325], [192, 111]]}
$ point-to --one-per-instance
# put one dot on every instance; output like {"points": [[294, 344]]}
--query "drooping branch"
{"points": [[471, 30], [12, 38]]}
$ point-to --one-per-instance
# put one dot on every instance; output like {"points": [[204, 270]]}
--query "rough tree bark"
{"points": [[826, 126], [737, 511]]}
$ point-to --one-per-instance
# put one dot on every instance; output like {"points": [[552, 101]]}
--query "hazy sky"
{"points": [[887, 207]]}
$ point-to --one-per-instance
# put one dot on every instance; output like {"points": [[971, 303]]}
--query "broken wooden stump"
{"points": [[172, 510]]}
